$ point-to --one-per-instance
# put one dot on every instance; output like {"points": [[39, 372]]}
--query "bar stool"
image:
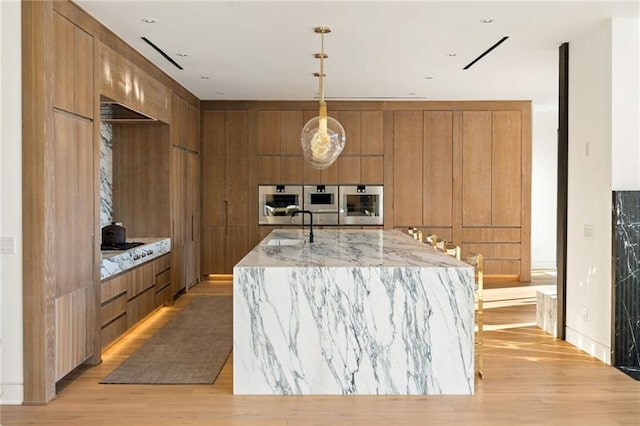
{"points": [[477, 261], [452, 250], [431, 239], [440, 244]]}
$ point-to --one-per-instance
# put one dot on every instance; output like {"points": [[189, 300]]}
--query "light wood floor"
{"points": [[531, 379]]}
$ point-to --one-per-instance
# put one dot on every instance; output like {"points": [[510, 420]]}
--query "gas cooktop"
{"points": [[120, 246]]}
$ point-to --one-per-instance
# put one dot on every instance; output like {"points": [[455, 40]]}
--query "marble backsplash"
{"points": [[626, 263], [106, 174]]}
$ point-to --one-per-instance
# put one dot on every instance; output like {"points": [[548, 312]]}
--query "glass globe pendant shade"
{"points": [[322, 140]]}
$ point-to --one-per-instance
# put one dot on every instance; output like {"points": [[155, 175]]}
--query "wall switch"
{"points": [[7, 245], [589, 230]]}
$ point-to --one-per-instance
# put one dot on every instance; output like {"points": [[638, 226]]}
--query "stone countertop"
{"points": [[347, 248], [117, 261], [356, 312]]}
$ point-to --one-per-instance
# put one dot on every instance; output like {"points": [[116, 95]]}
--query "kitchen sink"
{"points": [[293, 242]]}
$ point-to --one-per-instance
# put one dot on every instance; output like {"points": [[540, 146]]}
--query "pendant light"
{"points": [[323, 137]]}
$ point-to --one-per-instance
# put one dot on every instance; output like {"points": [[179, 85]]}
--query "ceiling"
{"points": [[377, 50]]}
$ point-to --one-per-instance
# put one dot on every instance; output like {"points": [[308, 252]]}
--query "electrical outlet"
{"points": [[7, 245]]}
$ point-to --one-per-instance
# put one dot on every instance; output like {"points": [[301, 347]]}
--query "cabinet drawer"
{"points": [[140, 306], [491, 235], [502, 267], [507, 251], [162, 263], [115, 286], [163, 295], [143, 278], [113, 309], [163, 279], [113, 330]]}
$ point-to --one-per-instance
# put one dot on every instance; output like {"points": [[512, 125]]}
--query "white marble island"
{"points": [[355, 312]]}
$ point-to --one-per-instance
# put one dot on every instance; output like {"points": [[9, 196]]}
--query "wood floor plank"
{"points": [[531, 379]]}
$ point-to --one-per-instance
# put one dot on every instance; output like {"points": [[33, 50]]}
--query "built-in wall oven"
{"points": [[277, 204], [322, 200], [361, 205]]}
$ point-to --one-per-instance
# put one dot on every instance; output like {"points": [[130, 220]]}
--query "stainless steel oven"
{"points": [[277, 203], [322, 200], [361, 205]]}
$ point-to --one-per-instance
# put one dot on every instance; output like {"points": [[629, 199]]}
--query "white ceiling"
{"points": [[379, 49]]}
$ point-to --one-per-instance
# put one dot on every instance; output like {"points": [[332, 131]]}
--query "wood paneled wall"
{"points": [[69, 60], [459, 169]]}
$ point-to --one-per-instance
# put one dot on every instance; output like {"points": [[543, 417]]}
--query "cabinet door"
{"points": [[64, 70], [438, 169], [372, 136], [73, 200], [269, 132], [476, 168], [178, 202], [351, 122], [237, 246], [506, 173], [407, 168], [192, 218], [83, 73], [73, 68], [193, 128], [290, 129], [237, 178], [372, 170]]}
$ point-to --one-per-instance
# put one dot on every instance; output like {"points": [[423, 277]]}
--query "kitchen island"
{"points": [[355, 312]]}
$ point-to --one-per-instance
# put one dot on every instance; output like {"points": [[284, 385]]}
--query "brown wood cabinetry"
{"points": [[185, 194], [73, 63], [120, 80], [129, 297], [457, 169], [464, 174], [225, 182], [280, 158], [73, 241]]}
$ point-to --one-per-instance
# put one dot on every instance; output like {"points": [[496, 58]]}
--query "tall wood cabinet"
{"points": [[464, 174], [225, 183], [72, 227], [185, 194]]}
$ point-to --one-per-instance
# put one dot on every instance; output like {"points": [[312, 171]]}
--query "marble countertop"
{"points": [[347, 248], [117, 261]]}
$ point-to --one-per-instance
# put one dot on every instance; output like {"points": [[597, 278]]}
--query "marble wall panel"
{"points": [[106, 174], [626, 258]]}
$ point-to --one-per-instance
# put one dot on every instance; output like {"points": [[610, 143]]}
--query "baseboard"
{"points": [[588, 345], [11, 394]]}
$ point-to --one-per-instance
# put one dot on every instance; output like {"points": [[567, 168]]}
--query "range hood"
{"points": [[115, 112]]}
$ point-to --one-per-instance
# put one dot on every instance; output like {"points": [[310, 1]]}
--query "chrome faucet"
{"points": [[310, 221]]}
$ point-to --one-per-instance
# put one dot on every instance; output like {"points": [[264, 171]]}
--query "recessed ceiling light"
{"points": [[149, 21], [428, 77], [451, 54], [182, 55], [412, 93], [220, 92], [204, 77], [487, 21]]}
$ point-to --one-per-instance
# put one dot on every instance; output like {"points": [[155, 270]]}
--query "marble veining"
{"points": [[547, 309], [106, 174], [114, 261], [356, 312], [626, 254]]}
